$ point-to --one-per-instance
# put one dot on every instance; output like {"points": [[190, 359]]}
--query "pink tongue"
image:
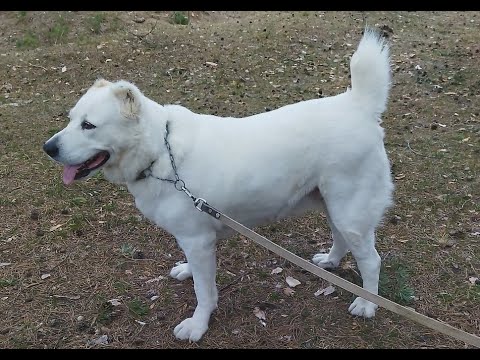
{"points": [[97, 161], [69, 172]]}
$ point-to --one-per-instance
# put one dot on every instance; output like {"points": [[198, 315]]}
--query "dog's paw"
{"points": [[321, 260], [181, 272], [190, 329], [362, 307]]}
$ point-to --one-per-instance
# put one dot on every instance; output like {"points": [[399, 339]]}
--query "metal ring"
{"points": [[181, 182]]}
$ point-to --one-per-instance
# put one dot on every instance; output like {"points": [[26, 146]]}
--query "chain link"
{"points": [[178, 183]]}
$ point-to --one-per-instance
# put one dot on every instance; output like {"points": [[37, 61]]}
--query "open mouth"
{"points": [[75, 172]]}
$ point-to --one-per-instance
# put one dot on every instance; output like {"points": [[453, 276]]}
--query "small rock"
{"points": [[28, 299], [151, 293], [138, 342], [434, 126], [39, 233], [65, 211], [80, 318], [395, 219], [457, 234], [102, 340], [137, 254], [34, 214], [4, 331], [54, 322], [139, 20]]}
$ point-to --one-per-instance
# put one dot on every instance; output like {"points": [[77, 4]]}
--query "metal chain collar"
{"points": [[178, 183]]}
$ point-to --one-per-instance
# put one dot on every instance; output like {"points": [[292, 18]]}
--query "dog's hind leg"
{"points": [[355, 209], [181, 271], [337, 252], [200, 253]]}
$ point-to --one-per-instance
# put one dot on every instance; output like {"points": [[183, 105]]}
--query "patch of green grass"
{"points": [[115, 24], [394, 285], [133, 220], [137, 307], [77, 222], [21, 15], [105, 313], [474, 293], [8, 282], [262, 274], [127, 250], [78, 201], [180, 18], [58, 31], [121, 286], [459, 78], [111, 206], [29, 40], [95, 22], [274, 297]]}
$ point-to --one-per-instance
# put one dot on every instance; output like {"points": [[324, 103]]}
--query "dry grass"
{"points": [[105, 250]]}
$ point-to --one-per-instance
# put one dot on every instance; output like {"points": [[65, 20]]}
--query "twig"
{"points": [[144, 35], [38, 66], [415, 152], [30, 285]]}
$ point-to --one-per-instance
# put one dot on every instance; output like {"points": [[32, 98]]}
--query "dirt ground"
{"points": [[81, 268]]}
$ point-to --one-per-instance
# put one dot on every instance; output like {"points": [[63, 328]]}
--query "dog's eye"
{"points": [[87, 126]]}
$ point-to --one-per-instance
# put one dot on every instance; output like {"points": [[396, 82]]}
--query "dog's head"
{"points": [[103, 125]]}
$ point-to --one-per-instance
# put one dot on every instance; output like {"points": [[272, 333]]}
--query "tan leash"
{"points": [[441, 327]]}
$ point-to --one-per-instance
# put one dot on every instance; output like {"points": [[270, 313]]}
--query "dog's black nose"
{"points": [[51, 148]]}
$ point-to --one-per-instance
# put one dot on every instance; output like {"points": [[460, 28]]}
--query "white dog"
{"points": [[325, 154]]}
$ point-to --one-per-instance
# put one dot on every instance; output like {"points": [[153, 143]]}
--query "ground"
{"points": [[80, 267]]}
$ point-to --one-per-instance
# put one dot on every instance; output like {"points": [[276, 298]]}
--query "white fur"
{"points": [[317, 154]]}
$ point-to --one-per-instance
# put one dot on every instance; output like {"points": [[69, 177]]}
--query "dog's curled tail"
{"points": [[370, 71]]}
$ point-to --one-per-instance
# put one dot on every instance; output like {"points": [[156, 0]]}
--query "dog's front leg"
{"points": [[200, 253]]}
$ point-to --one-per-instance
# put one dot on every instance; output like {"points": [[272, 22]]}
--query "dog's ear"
{"points": [[101, 83], [129, 97]]}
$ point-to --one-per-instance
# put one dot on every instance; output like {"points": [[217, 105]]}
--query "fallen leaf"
{"points": [[102, 340], [326, 291], [292, 282], [64, 69], [212, 64], [44, 276], [465, 140], [288, 291], [259, 313], [141, 322], [155, 279], [114, 302], [473, 280], [154, 297], [53, 228], [400, 177], [5, 264], [277, 270]]}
